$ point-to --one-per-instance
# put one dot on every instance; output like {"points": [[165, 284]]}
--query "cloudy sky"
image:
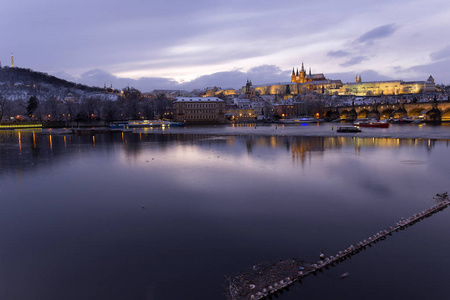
{"points": [[173, 44]]}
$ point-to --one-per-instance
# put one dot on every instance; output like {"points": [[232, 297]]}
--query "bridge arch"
{"points": [[363, 113], [344, 114], [374, 114], [419, 111], [386, 114], [445, 116], [433, 115]]}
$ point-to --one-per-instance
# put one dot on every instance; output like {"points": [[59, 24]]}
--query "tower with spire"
{"points": [[302, 74], [302, 77]]}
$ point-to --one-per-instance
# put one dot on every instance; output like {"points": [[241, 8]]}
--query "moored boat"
{"points": [[144, 124], [348, 129], [370, 123], [300, 120]]}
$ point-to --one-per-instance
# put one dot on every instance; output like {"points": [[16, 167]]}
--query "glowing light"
{"points": [[20, 142]]}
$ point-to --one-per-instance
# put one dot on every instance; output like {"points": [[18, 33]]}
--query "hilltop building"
{"points": [[302, 77], [387, 87], [303, 83]]}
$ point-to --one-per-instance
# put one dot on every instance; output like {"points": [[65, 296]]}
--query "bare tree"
{"points": [[111, 110], [4, 107]]}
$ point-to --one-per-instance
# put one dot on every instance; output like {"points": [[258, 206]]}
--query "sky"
{"points": [[179, 44]]}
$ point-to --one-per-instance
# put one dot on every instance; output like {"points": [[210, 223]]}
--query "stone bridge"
{"points": [[430, 111]]}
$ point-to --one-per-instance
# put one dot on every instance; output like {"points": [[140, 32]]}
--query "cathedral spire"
{"points": [[309, 71], [303, 68], [293, 72]]}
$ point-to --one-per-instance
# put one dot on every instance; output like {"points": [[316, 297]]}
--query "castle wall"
{"points": [[386, 88]]}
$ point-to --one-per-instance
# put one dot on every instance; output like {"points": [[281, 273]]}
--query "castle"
{"points": [[302, 83], [302, 77]]}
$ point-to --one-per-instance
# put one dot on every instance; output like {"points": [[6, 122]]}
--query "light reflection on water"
{"points": [[161, 216]]}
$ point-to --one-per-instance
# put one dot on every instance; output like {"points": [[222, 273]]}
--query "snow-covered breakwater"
{"points": [[267, 280]]}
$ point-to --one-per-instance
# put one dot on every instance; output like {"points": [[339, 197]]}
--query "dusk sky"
{"points": [[174, 44]]}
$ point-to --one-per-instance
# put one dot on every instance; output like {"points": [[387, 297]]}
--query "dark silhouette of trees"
{"points": [[90, 109], [110, 110], [147, 109], [4, 106], [129, 103], [162, 105], [32, 105]]}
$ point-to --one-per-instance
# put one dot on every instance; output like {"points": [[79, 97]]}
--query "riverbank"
{"points": [[422, 131]]}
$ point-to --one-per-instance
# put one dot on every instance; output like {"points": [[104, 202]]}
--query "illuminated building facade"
{"points": [[302, 77], [391, 87], [303, 83], [284, 110], [241, 114], [199, 110]]}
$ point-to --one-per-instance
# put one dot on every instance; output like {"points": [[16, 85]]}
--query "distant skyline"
{"points": [[176, 44]]}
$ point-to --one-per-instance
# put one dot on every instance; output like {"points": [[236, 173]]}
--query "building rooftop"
{"points": [[198, 99]]}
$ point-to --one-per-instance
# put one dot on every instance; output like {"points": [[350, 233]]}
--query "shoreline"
{"points": [[441, 133]]}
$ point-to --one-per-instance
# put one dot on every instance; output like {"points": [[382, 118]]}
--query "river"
{"points": [[169, 213]]}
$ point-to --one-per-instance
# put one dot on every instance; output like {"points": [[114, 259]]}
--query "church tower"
{"points": [[358, 79], [293, 75], [302, 74]]}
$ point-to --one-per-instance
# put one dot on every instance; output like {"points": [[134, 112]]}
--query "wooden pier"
{"points": [[260, 283]]}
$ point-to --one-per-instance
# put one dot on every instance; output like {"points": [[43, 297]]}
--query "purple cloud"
{"points": [[354, 61], [377, 33], [441, 54], [338, 53]]}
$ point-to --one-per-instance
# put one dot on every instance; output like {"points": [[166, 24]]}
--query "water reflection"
{"points": [[214, 205], [26, 148]]}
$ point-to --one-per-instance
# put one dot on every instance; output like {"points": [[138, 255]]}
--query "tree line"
{"points": [[131, 105]]}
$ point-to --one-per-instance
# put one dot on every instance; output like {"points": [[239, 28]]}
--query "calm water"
{"points": [[144, 215]]}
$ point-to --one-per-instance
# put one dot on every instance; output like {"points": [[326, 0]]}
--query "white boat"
{"points": [[350, 129], [144, 123], [370, 123]]}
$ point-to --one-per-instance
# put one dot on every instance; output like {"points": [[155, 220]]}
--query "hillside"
{"points": [[21, 84]]}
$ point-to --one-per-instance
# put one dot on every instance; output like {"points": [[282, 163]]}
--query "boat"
{"points": [[300, 120], [336, 120], [370, 123], [144, 124], [118, 125], [402, 121], [348, 129]]}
